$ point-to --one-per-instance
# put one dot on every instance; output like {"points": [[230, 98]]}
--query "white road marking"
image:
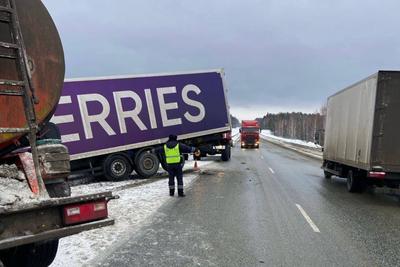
{"points": [[308, 219], [271, 170], [262, 157]]}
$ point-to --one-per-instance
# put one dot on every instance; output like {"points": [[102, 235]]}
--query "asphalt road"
{"points": [[267, 207]]}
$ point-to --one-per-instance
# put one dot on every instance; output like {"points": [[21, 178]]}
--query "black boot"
{"points": [[180, 193], [171, 192]]}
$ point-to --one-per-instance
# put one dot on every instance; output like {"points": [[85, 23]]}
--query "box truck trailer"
{"points": [[362, 132], [110, 124]]}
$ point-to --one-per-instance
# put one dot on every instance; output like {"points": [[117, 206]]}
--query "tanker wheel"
{"points": [[58, 190], [38, 254], [117, 167], [146, 164], [226, 154]]}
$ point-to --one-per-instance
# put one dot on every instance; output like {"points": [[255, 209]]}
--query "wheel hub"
{"points": [[118, 167], [148, 163]]}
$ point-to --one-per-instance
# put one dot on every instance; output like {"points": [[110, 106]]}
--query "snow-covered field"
{"points": [[138, 201], [267, 134]]}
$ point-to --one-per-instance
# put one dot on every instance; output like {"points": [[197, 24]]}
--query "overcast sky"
{"points": [[278, 55]]}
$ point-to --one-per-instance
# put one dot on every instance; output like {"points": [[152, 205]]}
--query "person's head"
{"points": [[172, 137]]}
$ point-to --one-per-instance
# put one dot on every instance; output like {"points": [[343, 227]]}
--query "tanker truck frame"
{"points": [[110, 124], [36, 207], [362, 133]]}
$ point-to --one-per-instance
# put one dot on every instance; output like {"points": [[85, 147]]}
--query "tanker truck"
{"points": [[36, 206]]}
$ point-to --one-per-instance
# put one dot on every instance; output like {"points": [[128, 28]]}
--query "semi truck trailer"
{"points": [[36, 206], [362, 132], [110, 124]]}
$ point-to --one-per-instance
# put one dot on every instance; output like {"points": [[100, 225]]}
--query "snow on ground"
{"points": [[235, 131], [138, 200], [235, 135], [267, 133]]}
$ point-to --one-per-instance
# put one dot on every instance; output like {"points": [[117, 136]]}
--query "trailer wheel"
{"points": [[38, 254], [117, 168], [147, 164], [226, 154], [327, 175], [354, 182]]}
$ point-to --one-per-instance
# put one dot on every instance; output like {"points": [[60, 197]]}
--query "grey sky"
{"points": [[278, 55]]}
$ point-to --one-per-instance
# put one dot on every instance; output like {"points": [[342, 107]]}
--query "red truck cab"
{"points": [[250, 134]]}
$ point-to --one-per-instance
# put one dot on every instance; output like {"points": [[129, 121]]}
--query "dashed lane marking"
{"points": [[308, 219], [271, 170]]}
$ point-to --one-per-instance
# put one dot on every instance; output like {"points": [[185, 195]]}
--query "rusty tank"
{"points": [[45, 59]]}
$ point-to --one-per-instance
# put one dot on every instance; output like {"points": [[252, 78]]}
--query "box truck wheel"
{"points": [[117, 167], [226, 153], [327, 175], [38, 254], [354, 182], [146, 164]]}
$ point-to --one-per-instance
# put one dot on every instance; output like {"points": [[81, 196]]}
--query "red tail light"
{"points": [[86, 212], [377, 175]]}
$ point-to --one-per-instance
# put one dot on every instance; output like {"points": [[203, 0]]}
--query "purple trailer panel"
{"points": [[105, 115]]}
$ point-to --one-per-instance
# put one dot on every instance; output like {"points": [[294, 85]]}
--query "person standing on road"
{"points": [[172, 152]]}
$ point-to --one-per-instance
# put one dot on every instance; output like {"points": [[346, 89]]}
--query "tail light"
{"points": [[85, 212], [377, 175]]}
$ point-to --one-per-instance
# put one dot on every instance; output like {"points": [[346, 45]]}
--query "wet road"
{"points": [[267, 207]]}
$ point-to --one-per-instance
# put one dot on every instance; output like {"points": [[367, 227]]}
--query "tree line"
{"points": [[295, 125]]}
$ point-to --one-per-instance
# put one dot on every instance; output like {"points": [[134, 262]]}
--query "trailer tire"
{"points": [[38, 254], [117, 167], [146, 164], [226, 154], [327, 175], [354, 183]]}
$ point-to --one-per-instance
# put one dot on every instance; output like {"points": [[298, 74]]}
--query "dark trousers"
{"points": [[175, 170]]}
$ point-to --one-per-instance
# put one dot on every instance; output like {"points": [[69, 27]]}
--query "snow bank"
{"points": [[138, 201], [235, 131], [14, 189], [235, 135], [267, 133]]}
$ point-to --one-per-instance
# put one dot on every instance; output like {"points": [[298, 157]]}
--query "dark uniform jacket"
{"points": [[171, 144]]}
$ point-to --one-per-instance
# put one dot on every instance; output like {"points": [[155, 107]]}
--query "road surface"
{"points": [[266, 207]]}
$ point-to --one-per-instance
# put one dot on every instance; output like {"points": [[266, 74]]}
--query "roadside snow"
{"points": [[235, 131], [14, 189], [235, 135], [131, 211], [267, 133]]}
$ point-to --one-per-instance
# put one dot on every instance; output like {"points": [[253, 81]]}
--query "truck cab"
{"points": [[250, 134]]}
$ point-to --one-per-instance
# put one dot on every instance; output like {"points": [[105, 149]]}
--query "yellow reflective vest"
{"points": [[172, 155]]}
